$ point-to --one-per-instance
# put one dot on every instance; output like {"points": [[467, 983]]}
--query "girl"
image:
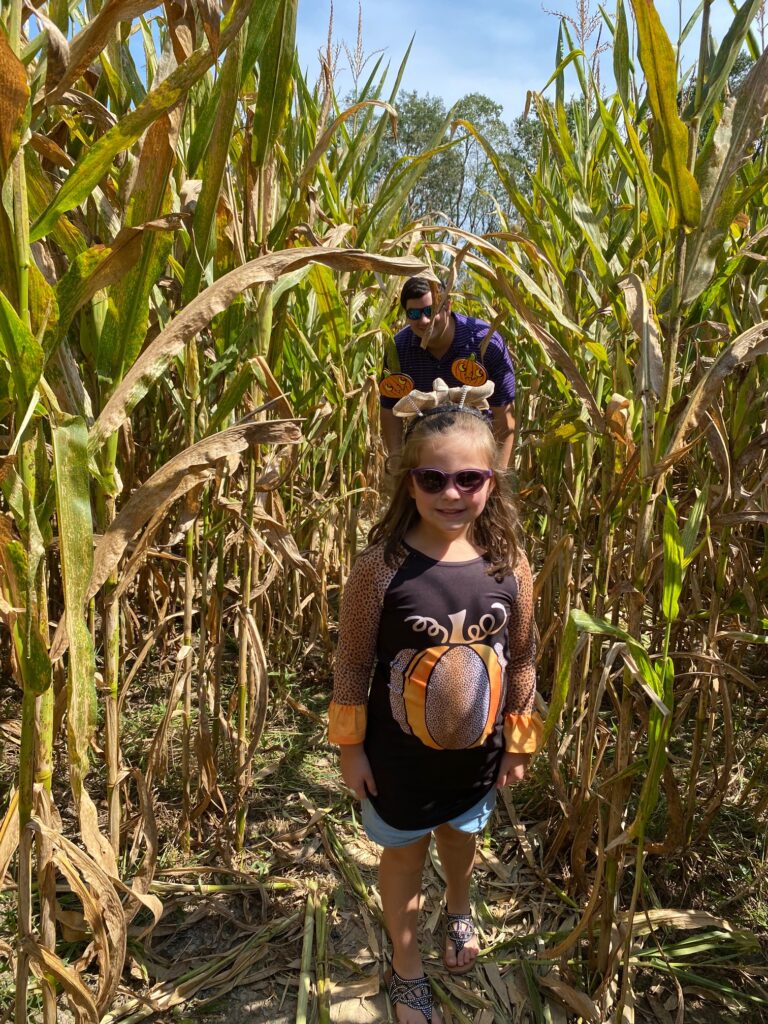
{"points": [[437, 615]]}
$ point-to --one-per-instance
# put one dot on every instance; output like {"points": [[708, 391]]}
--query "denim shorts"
{"points": [[471, 821]]}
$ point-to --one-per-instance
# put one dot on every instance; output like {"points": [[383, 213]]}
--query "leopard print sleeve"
{"points": [[359, 618], [522, 726]]}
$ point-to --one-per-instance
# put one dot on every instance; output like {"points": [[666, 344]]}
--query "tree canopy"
{"points": [[460, 182]]}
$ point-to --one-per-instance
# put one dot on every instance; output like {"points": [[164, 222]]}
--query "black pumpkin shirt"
{"points": [[435, 674]]}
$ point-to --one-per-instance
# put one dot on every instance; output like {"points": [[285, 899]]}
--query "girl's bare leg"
{"points": [[400, 871], [457, 855]]}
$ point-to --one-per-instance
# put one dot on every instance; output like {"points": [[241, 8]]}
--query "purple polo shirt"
{"points": [[422, 367]]}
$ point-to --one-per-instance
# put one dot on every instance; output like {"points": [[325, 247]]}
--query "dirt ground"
{"points": [[229, 945], [522, 911]]}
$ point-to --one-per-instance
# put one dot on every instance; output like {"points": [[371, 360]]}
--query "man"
{"points": [[457, 349]]}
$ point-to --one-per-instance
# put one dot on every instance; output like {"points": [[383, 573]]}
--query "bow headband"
{"points": [[443, 398]]}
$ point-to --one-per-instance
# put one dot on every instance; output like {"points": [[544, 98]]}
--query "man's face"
{"points": [[428, 325]]}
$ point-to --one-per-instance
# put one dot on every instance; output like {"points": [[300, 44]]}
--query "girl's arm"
{"points": [[358, 632], [522, 726]]}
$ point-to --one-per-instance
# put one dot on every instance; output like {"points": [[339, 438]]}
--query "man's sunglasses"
{"points": [[417, 314], [433, 481]]}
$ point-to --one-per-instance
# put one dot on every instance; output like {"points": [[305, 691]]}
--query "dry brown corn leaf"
{"points": [[101, 907], [44, 963], [188, 469], [572, 998], [157, 357], [91, 40], [9, 834], [741, 352], [14, 94]]}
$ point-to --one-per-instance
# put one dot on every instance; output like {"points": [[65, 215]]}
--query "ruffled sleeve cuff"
{"points": [[522, 733], [346, 723]]}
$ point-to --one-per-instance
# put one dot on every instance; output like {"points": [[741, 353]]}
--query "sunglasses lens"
{"points": [[431, 481], [417, 314], [470, 480]]}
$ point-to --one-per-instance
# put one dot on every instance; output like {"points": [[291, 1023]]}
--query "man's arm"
{"points": [[391, 431], [504, 430]]}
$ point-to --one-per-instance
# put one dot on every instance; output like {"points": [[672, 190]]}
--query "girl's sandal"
{"points": [[414, 993], [459, 929]]}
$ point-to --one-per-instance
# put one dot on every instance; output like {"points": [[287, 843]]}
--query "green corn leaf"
{"points": [[668, 134], [260, 24], [589, 229], [273, 100], [612, 130], [325, 139], [580, 62], [364, 166], [691, 23], [744, 638], [502, 171], [753, 45], [391, 358], [101, 266], [716, 77], [402, 178], [535, 1001], [233, 395], [40, 194], [75, 287], [214, 163], [621, 59], [73, 508], [564, 145], [562, 677], [9, 280], [353, 413], [559, 70], [31, 648], [691, 528], [558, 75], [727, 150], [656, 211], [659, 728], [97, 161], [585, 623], [22, 350], [205, 119], [674, 555], [125, 324], [330, 321]]}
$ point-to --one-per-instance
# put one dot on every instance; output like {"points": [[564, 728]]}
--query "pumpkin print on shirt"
{"points": [[468, 371], [449, 695]]}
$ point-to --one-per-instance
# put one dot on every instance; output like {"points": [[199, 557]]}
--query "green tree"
{"points": [[460, 184]]}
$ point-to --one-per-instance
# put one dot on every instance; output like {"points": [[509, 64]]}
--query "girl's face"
{"points": [[451, 512]]}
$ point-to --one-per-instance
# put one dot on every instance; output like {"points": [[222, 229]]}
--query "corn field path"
{"points": [[232, 943]]}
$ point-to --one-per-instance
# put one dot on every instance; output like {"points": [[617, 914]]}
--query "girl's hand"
{"points": [[512, 769], [356, 770]]}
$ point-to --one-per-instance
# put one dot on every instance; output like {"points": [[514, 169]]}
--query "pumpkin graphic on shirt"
{"points": [[448, 695]]}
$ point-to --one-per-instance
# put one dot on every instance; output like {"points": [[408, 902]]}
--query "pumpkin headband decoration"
{"points": [[418, 404]]}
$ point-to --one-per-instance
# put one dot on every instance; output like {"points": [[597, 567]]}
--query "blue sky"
{"points": [[498, 47]]}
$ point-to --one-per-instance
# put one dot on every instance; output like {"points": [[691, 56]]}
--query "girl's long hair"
{"points": [[496, 530]]}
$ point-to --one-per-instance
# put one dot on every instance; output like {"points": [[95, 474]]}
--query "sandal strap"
{"points": [[414, 993], [459, 928]]}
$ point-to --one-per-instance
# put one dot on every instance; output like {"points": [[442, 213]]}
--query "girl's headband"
{"points": [[416, 405]]}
